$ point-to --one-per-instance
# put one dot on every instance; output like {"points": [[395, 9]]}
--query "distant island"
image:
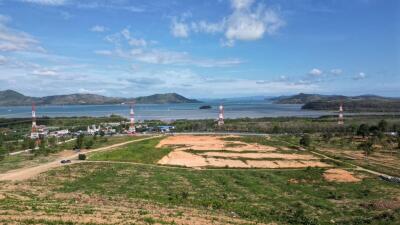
{"points": [[362, 103], [205, 107], [13, 98]]}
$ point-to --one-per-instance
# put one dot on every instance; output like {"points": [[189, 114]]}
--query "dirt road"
{"points": [[26, 173]]}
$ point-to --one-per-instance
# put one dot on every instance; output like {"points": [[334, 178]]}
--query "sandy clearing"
{"points": [[214, 162], [259, 155], [285, 164], [26, 173], [340, 175], [210, 143], [181, 157]]}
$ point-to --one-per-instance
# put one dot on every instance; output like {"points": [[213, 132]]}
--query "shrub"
{"points": [[305, 141], [82, 157]]}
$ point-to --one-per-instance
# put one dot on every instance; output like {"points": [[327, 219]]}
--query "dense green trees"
{"points": [[305, 141], [79, 141]]}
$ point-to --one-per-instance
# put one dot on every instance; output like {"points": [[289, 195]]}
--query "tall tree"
{"points": [[367, 147]]}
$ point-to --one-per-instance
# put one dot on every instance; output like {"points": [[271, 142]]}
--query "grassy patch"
{"points": [[142, 152], [257, 195]]}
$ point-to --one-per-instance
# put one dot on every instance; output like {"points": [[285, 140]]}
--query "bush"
{"points": [[82, 157], [305, 141]]}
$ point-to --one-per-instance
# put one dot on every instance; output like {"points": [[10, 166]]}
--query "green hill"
{"points": [[13, 98], [362, 103]]}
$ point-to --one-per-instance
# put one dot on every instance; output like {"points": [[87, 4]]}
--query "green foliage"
{"points": [[363, 130], [88, 143], [143, 152], [79, 141], [367, 147], [52, 141], [383, 125], [82, 157], [3, 153], [259, 196], [305, 141]]}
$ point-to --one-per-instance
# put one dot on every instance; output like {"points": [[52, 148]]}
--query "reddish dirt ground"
{"points": [[262, 156], [340, 175]]}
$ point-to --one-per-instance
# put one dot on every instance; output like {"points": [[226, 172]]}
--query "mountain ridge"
{"points": [[360, 103], [14, 98]]}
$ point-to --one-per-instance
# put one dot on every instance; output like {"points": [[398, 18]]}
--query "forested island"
{"points": [[362, 103], [13, 98]]}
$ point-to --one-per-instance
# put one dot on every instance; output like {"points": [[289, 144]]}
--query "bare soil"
{"points": [[203, 154], [340, 175]]}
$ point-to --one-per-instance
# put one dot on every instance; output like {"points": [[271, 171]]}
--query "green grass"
{"points": [[28, 160], [257, 195], [140, 152]]}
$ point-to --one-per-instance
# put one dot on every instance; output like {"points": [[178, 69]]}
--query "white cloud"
{"points": [[246, 23], [4, 19], [315, 72], [207, 27], [3, 59], [98, 28], [138, 49], [179, 29], [45, 72], [360, 76], [14, 40], [47, 2], [336, 71], [241, 4]]}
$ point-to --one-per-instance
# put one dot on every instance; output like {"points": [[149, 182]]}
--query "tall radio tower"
{"points": [[221, 116], [132, 129], [341, 119], [34, 133]]}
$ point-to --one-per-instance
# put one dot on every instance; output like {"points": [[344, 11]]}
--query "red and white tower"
{"points": [[34, 132], [132, 129], [221, 116], [341, 118]]}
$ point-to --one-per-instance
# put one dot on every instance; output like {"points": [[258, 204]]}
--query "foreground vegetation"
{"points": [[286, 197], [140, 152]]}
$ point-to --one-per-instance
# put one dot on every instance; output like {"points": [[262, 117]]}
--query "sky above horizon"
{"points": [[200, 49]]}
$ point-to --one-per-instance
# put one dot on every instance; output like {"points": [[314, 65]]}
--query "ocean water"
{"points": [[238, 109]]}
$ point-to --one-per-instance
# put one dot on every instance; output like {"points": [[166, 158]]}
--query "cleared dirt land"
{"points": [[220, 151]]}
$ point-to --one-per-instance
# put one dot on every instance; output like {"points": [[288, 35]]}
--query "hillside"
{"points": [[13, 98], [164, 98], [305, 98], [362, 103]]}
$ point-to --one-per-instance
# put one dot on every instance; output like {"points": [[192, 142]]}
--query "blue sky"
{"points": [[202, 49]]}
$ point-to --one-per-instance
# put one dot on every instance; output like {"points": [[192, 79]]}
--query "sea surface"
{"points": [[234, 109]]}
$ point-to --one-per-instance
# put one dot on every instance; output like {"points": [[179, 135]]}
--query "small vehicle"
{"points": [[65, 161]]}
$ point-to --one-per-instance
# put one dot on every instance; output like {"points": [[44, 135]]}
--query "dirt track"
{"points": [[27, 173]]}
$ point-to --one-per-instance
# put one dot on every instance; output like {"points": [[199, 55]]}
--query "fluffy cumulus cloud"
{"points": [[247, 22], [179, 29], [360, 76], [315, 72]]}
